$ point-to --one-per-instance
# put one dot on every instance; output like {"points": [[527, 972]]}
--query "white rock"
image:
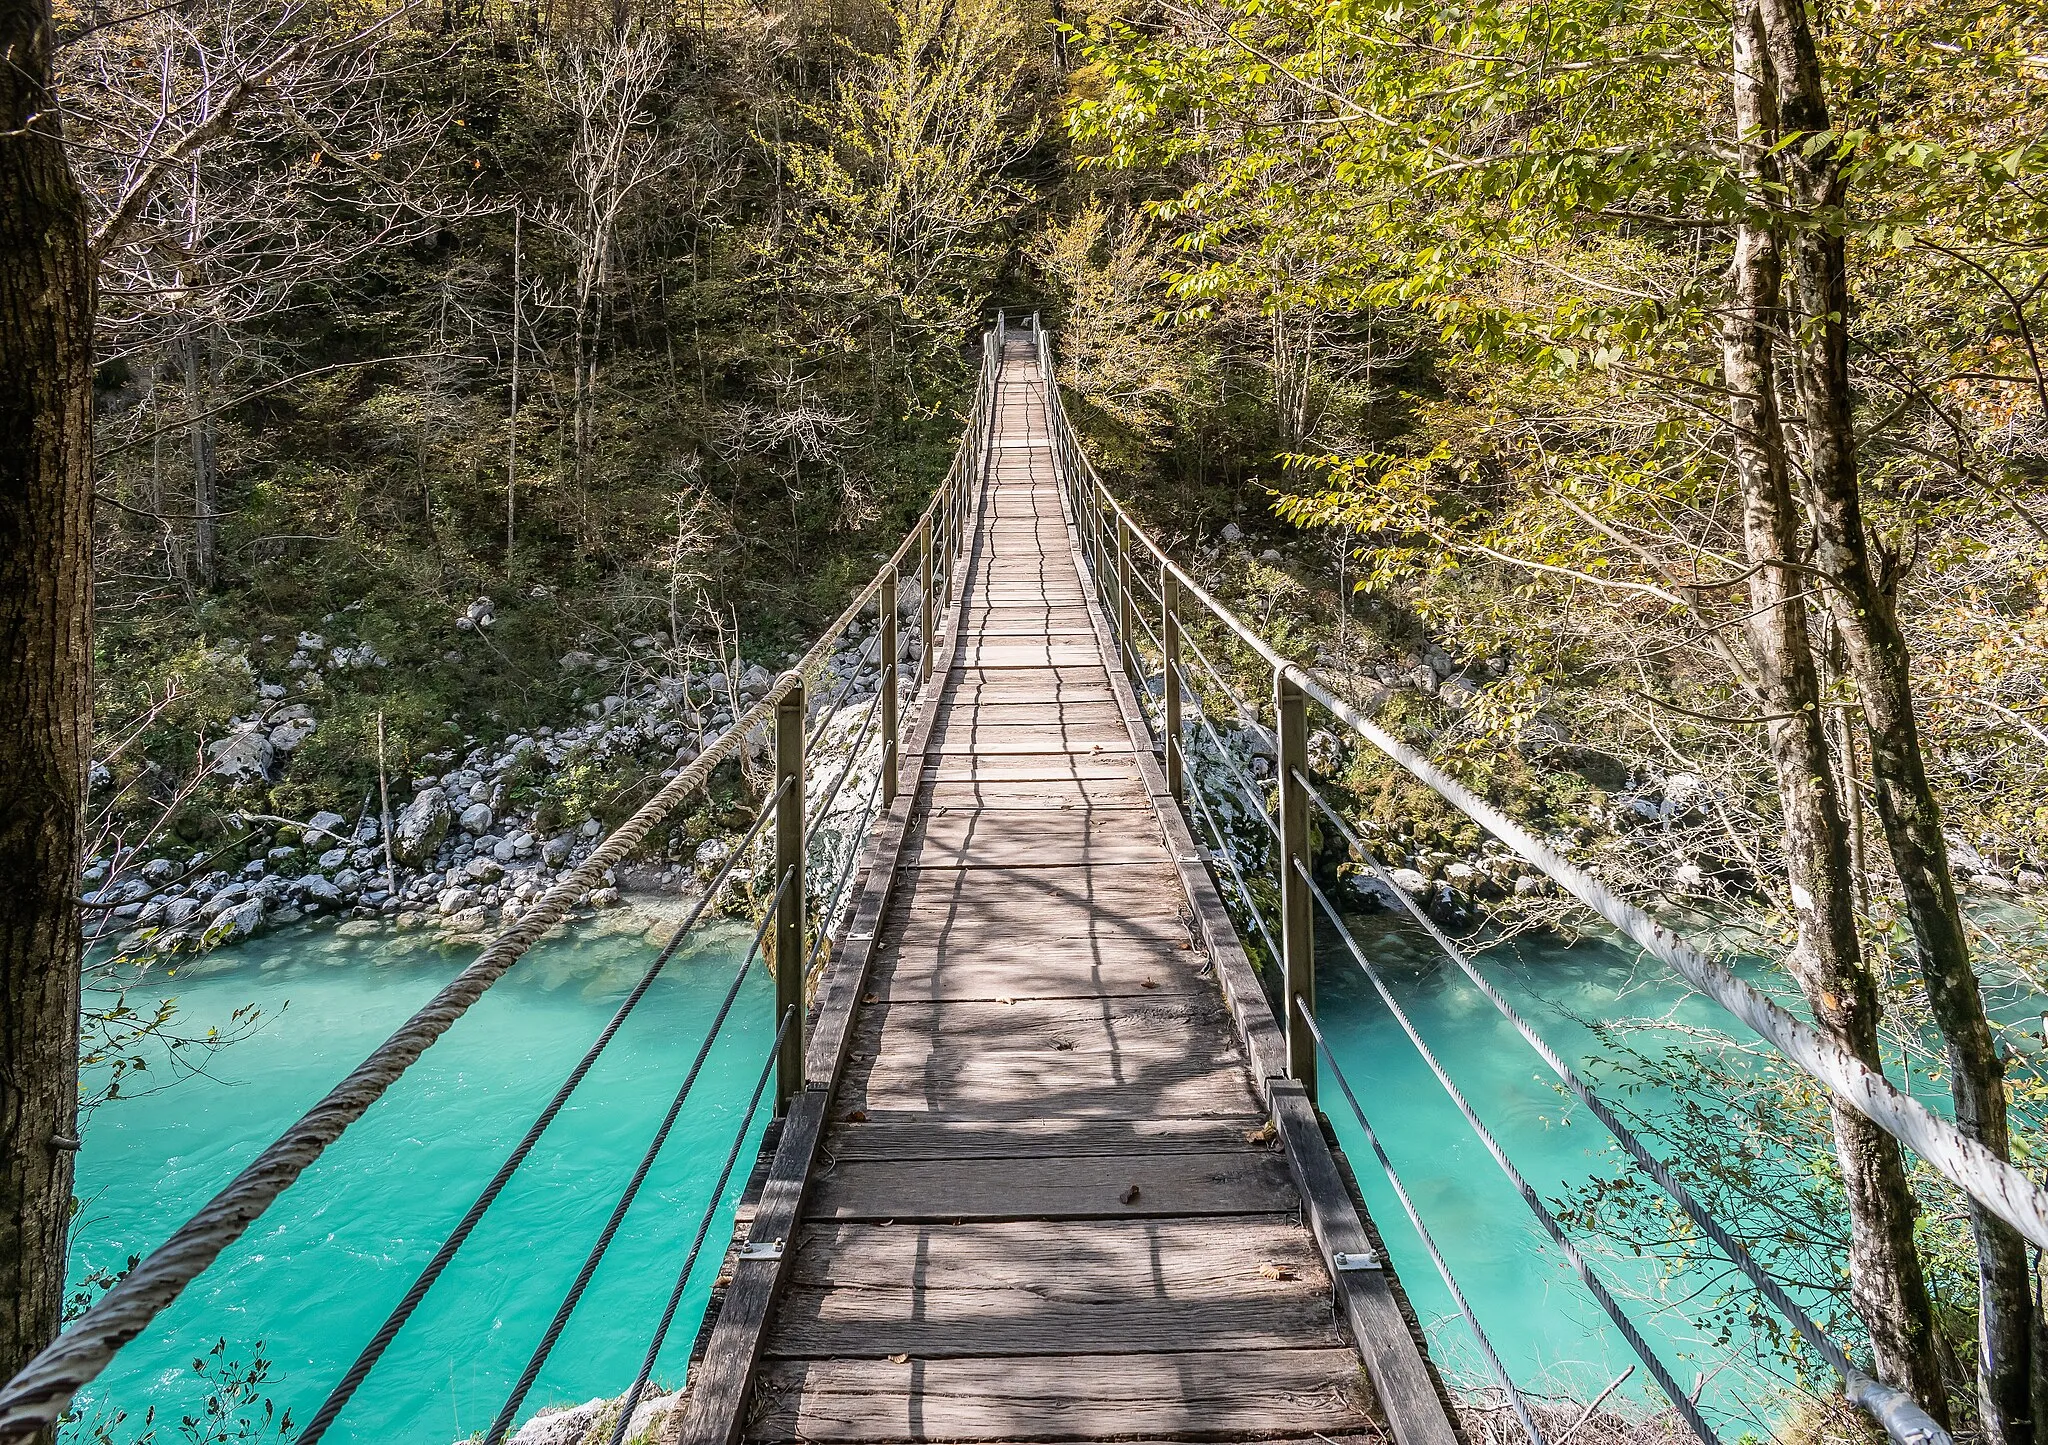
{"points": [[287, 735], [476, 818], [241, 756], [1232, 532], [324, 824], [560, 1426], [1410, 882]]}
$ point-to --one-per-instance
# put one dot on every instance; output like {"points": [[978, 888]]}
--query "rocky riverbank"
{"points": [[472, 844]]}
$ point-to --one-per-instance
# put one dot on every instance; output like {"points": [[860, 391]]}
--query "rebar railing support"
{"points": [[1297, 908], [924, 600], [789, 916], [890, 731], [1169, 634]]}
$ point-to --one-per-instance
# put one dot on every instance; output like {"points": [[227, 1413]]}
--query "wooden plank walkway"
{"points": [[1043, 1201]]}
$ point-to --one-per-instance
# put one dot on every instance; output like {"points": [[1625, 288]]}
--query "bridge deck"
{"points": [[1044, 1205]]}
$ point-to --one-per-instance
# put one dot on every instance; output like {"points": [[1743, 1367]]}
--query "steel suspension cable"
{"points": [[852, 756], [1901, 1415], [1680, 1401], [1251, 902], [831, 908], [1229, 761], [1443, 1270], [675, 1298], [496, 1434], [366, 1361], [846, 685]]}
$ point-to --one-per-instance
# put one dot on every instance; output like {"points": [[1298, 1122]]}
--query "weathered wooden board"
{"points": [[1014, 793], [930, 1136], [1177, 1023], [1186, 1396], [1093, 1186], [983, 836]]}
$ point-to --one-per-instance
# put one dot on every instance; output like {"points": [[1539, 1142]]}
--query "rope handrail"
{"points": [[39, 1394], [1993, 1182]]}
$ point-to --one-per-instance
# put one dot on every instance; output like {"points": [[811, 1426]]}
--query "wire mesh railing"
{"points": [[813, 869], [1258, 852]]}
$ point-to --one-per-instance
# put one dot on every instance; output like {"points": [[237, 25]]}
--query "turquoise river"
{"points": [[315, 1276]]}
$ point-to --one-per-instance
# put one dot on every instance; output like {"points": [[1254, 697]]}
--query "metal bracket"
{"points": [[761, 1249], [1351, 1263]]}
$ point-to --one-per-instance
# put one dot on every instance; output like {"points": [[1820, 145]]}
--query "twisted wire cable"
{"points": [[1680, 1401], [1896, 1413], [1443, 1270], [675, 1298], [366, 1361], [496, 1434]]}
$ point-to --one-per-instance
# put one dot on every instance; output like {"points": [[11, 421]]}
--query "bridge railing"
{"points": [[801, 921], [1155, 610]]}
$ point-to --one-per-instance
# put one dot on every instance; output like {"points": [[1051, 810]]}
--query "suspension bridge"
{"points": [[1048, 1158]]}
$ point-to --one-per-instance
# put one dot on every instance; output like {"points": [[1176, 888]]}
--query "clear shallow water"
{"points": [[1548, 1330], [315, 1275]]}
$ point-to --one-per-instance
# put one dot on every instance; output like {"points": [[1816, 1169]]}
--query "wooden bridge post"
{"points": [[890, 730], [1169, 636], [924, 599], [1297, 908], [789, 917]]}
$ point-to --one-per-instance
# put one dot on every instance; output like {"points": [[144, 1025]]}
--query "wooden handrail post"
{"points": [[1297, 908], [924, 599], [1169, 635], [789, 915], [1126, 608], [890, 730]]}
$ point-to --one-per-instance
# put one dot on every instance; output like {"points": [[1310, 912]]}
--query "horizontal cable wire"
{"points": [[338, 1398], [1921, 1431], [1223, 684], [603, 1243], [852, 756], [1680, 1401], [1443, 1270], [831, 909], [831, 709], [1251, 902], [675, 1298], [1229, 760]]}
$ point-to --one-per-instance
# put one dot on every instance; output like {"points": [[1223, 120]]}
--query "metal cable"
{"points": [[846, 685], [675, 1298], [1251, 903], [1443, 1270], [338, 1398], [852, 756], [1229, 760], [496, 1434], [1223, 684], [831, 909], [1923, 1432], [1680, 1401]]}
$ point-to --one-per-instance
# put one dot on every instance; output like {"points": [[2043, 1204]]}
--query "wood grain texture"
{"points": [[1183, 1396]]}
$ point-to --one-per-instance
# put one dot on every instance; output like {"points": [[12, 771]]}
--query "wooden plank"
{"points": [[1065, 793], [1066, 1398], [1026, 1083], [1093, 1186], [1050, 1288], [987, 836], [928, 1136], [1144, 1023]]}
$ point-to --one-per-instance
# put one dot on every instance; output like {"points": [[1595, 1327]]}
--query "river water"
{"points": [[316, 1275]]}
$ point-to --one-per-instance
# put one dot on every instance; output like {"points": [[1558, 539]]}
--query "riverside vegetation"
{"points": [[1639, 408]]}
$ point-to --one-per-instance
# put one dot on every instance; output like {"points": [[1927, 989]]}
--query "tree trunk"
{"points": [[1864, 608], [46, 304], [1887, 1285]]}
